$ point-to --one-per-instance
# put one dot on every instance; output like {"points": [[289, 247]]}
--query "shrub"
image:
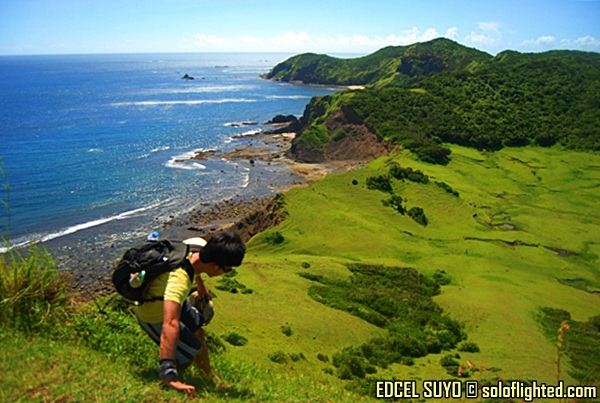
{"points": [[287, 330], [350, 366], [235, 339], [417, 214], [278, 356], [441, 277], [396, 171], [450, 364], [447, 188], [468, 347], [338, 135], [396, 299], [314, 137], [395, 202], [274, 238], [328, 371], [381, 182], [233, 286], [295, 357], [312, 277], [229, 284], [305, 265], [433, 153]]}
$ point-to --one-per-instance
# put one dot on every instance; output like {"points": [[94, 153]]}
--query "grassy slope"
{"points": [[550, 196]]}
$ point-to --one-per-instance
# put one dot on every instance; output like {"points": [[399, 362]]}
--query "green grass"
{"points": [[499, 279], [32, 291], [38, 369], [549, 195]]}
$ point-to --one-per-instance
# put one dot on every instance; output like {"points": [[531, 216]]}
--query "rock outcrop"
{"points": [[350, 139]]}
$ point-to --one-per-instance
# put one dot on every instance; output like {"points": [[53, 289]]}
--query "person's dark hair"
{"points": [[224, 248]]}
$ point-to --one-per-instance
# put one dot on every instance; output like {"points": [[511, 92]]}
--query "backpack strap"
{"points": [[186, 265]]}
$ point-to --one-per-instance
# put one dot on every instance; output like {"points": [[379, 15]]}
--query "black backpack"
{"points": [[153, 258]]}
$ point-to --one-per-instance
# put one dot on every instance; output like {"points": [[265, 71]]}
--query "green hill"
{"points": [[437, 92], [521, 235], [393, 62]]}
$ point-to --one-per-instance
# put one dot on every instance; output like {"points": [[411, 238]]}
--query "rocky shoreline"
{"points": [[246, 215], [266, 147]]}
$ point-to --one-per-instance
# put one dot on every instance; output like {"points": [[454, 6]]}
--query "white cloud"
{"points": [[410, 36], [588, 43], [304, 42], [548, 42], [541, 43], [489, 37], [252, 40], [451, 33], [293, 39], [210, 41]]}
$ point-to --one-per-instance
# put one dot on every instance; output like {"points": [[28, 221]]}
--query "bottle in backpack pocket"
{"points": [[137, 279]]}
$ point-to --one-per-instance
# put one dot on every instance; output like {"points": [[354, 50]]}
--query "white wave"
{"points": [[95, 150], [76, 228], [201, 89], [288, 97], [162, 148], [250, 133], [184, 162], [246, 179], [141, 157], [188, 102], [240, 124]]}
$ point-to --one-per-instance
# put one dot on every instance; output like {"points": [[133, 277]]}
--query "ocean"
{"points": [[96, 149]]}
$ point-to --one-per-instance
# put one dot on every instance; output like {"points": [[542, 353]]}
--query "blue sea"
{"points": [[95, 148]]}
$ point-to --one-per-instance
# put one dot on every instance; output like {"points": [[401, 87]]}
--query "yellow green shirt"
{"points": [[174, 285]]}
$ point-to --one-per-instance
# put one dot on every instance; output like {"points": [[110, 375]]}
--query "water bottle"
{"points": [[153, 236], [137, 279]]}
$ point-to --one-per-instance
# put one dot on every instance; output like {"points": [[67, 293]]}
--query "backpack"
{"points": [[143, 263]]}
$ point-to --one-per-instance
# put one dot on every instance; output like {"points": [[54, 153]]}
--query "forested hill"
{"points": [[423, 95], [385, 65]]}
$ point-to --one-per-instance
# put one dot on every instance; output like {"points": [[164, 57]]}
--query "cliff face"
{"points": [[349, 139], [261, 219]]}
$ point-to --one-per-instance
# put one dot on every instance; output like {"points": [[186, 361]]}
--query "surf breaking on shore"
{"points": [[90, 265]]}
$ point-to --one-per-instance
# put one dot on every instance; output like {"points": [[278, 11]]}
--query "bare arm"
{"points": [[170, 330], [168, 343]]}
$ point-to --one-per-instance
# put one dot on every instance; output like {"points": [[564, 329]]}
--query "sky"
{"points": [[320, 26]]}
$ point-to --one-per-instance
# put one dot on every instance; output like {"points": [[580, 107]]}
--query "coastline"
{"points": [[271, 149], [90, 271]]}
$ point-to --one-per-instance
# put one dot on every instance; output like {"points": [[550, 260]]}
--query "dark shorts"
{"points": [[188, 345]]}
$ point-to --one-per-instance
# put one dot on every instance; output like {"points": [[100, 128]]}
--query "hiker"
{"points": [[171, 320]]}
